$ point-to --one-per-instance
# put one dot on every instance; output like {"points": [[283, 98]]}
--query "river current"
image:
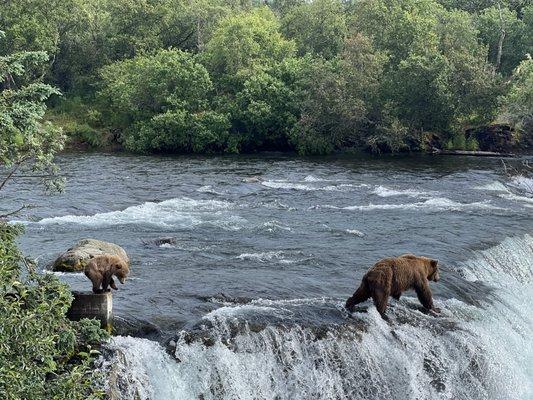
{"points": [[247, 302]]}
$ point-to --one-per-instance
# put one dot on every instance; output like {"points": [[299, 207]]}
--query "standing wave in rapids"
{"points": [[282, 349]]}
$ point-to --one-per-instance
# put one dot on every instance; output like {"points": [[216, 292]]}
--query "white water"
{"points": [[433, 204], [468, 352], [308, 185], [383, 191], [179, 212], [520, 184]]}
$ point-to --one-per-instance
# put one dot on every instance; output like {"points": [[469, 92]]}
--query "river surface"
{"points": [[250, 296]]}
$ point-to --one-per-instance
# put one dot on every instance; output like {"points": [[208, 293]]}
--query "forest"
{"points": [[239, 76]]}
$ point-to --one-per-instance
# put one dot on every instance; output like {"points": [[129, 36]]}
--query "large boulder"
{"points": [[75, 258]]}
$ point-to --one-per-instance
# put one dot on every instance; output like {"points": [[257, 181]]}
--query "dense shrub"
{"points": [[43, 355]]}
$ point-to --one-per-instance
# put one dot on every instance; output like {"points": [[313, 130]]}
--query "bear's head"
{"points": [[120, 270], [433, 270]]}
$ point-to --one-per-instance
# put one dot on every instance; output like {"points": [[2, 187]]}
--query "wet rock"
{"points": [[75, 258], [166, 240], [120, 384], [136, 327], [497, 138]]}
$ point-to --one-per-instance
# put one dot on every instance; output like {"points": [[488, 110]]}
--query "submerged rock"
{"points": [[75, 258], [162, 241]]}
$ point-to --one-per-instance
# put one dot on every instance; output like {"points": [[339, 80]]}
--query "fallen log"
{"points": [[476, 153]]}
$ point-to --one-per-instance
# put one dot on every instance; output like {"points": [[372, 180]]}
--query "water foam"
{"points": [[433, 204], [505, 193], [493, 187], [355, 232], [383, 191], [523, 183], [285, 185], [281, 257], [180, 212], [208, 189]]}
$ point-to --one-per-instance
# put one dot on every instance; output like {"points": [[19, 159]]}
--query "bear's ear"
{"points": [[434, 263]]}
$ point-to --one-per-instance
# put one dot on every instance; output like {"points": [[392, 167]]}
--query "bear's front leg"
{"points": [[423, 292], [108, 278]]}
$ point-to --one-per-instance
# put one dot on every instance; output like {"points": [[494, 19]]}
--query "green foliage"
{"points": [[440, 70], [32, 25], [516, 42], [267, 107], [80, 120], [42, 354], [339, 97], [24, 138], [436, 77], [317, 27], [161, 102], [244, 43], [518, 103]]}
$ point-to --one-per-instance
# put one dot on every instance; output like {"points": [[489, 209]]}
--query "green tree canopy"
{"points": [[518, 103], [318, 27], [243, 43], [161, 103], [25, 140]]}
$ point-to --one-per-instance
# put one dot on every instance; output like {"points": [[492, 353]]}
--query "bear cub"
{"points": [[394, 275], [100, 271]]}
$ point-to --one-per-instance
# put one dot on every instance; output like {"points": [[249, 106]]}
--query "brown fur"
{"points": [[393, 276], [100, 271]]}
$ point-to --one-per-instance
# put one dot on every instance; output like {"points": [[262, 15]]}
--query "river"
{"points": [[250, 295]]}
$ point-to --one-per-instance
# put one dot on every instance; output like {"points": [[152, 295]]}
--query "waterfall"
{"points": [[289, 350]]}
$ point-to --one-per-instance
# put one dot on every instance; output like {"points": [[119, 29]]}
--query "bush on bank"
{"points": [[43, 355]]}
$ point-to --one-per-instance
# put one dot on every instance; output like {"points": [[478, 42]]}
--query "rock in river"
{"points": [[75, 258]]}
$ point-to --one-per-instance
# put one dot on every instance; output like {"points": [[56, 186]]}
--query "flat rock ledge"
{"points": [[75, 258]]}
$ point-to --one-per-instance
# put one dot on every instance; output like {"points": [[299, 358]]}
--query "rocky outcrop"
{"points": [[75, 258], [498, 138]]}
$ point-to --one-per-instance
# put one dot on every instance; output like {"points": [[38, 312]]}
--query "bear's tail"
{"points": [[360, 295]]}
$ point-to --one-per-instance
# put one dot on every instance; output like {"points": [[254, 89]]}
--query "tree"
{"points": [[505, 35], [318, 27], [266, 109], [32, 25], [340, 100], [25, 140], [436, 78], [243, 43], [42, 354], [160, 102], [518, 103]]}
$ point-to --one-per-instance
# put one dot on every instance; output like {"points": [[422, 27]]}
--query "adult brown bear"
{"points": [[392, 276], [100, 271]]}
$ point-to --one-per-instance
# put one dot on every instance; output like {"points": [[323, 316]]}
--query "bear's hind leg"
{"points": [[381, 298], [360, 295]]}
